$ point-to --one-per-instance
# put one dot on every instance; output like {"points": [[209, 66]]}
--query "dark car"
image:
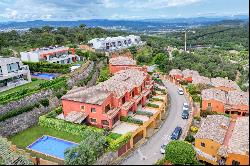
{"points": [[185, 114], [177, 133]]}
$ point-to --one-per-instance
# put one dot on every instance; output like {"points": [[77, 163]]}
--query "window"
{"points": [[92, 120], [209, 104], [239, 113], [93, 110], [105, 122], [82, 108], [123, 100], [235, 162], [203, 144]]}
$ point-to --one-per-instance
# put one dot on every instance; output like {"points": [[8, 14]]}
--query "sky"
{"points": [[25, 10]]}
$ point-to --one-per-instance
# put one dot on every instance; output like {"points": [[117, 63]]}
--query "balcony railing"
{"points": [[112, 113]]}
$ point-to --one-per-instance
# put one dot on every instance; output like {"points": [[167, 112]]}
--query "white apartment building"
{"points": [[13, 73], [115, 43], [53, 54]]}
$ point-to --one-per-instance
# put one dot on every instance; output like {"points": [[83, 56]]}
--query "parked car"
{"points": [[185, 114], [176, 134], [163, 147], [180, 91], [185, 107]]}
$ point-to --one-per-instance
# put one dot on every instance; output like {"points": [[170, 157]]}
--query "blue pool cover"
{"points": [[51, 146], [45, 76]]}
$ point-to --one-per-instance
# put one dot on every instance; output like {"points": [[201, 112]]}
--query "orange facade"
{"points": [[214, 105], [240, 159], [110, 111]]}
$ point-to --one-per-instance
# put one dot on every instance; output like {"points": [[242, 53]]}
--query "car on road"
{"points": [[180, 91], [163, 147], [177, 133], [185, 114], [185, 107]]}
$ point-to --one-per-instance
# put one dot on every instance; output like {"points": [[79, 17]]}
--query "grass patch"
{"points": [[27, 137], [34, 84]]}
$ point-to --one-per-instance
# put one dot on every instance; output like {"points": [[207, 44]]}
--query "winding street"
{"points": [[149, 153]]}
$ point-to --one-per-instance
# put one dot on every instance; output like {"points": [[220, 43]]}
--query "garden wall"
{"points": [[21, 122], [34, 98], [80, 74]]}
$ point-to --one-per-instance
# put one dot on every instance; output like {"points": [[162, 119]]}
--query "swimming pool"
{"points": [[51, 146], [44, 76]]}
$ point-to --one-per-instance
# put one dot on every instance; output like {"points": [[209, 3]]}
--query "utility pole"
{"points": [[185, 41]]}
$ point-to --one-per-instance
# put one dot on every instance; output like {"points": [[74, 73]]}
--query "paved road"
{"points": [[149, 153]]}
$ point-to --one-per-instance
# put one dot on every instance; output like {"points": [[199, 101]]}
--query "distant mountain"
{"points": [[132, 25]]}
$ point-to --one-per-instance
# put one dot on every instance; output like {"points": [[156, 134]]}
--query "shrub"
{"points": [[44, 102], [194, 129], [130, 119], [180, 153], [104, 74], [157, 99], [149, 114], [161, 161], [58, 110], [61, 125], [114, 136], [119, 142], [197, 118], [153, 105], [190, 138], [16, 112]]}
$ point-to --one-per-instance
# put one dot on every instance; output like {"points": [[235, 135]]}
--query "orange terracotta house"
{"points": [[224, 84], [213, 100], [176, 74], [221, 140], [189, 74], [104, 104], [119, 63], [234, 103]]}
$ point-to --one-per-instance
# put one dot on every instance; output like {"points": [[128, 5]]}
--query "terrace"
{"points": [[125, 128]]}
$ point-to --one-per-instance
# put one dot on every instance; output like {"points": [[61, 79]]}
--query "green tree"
{"points": [[88, 151], [180, 152]]}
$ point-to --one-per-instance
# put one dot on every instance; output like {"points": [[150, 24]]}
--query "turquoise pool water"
{"points": [[51, 146], [44, 76]]}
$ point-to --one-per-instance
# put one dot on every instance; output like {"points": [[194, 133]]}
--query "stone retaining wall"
{"points": [[21, 122], [34, 98]]}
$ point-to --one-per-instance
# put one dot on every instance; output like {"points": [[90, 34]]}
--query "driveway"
{"points": [[149, 153]]}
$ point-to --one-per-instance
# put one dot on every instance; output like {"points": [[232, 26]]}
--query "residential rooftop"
{"points": [[222, 82], [122, 60], [122, 82], [197, 79], [216, 94], [189, 73], [239, 142], [238, 98], [175, 72], [4, 60], [213, 127], [46, 50]]}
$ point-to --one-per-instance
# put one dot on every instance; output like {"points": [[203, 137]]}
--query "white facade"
{"points": [[13, 73], [50, 54], [115, 43]]}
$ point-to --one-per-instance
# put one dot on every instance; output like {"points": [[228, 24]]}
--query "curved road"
{"points": [[149, 153]]}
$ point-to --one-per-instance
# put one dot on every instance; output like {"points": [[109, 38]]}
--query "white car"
{"points": [[180, 91], [163, 147], [185, 107]]}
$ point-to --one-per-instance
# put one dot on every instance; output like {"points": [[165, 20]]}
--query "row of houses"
{"points": [[115, 43], [223, 141], [224, 96], [52, 54]]}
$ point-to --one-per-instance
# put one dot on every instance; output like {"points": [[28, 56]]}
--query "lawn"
{"points": [[33, 84], [27, 137]]}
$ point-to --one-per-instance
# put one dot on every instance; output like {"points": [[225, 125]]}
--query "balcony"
{"points": [[127, 105], [145, 92], [137, 98], [112, 113]]}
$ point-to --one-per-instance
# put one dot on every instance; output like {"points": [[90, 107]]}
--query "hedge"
{"points": [[157, 99], [44, 102], [153, 105], [119, 142], [62, 125], [130, 119], [149, 114], [19, 111], [48, 67]]}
